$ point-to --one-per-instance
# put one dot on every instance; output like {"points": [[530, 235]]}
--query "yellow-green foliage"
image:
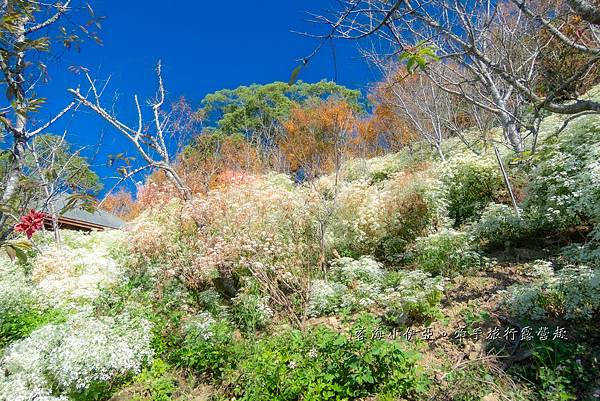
{"points": [[384, 218], [470, 183]]}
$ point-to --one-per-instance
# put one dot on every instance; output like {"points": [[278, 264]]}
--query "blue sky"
{"points": [[204, 46]]}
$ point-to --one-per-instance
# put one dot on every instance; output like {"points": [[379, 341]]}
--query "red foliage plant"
{"points": [[30, 223]]}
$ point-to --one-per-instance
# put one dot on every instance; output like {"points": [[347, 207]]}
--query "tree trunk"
{"points": [[15, 169], [15, 80], [512, 134]]}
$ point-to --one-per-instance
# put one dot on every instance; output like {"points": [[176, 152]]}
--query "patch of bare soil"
{"points": [[460, 342]]}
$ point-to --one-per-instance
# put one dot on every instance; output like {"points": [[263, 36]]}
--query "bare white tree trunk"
{"points": [[150, 145]]}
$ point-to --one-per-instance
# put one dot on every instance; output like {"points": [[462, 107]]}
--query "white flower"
{"points": [[74, 354]]}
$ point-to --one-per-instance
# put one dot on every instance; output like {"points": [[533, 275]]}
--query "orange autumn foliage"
{"points": [[382, 132], [317, 136], [122, 205], [232, 157]]}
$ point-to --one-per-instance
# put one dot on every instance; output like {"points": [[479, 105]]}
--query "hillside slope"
{"points": [[400, 277]]}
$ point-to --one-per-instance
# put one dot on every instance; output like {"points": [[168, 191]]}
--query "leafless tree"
{"points": [[488, 48], [416, 100], [151, 141]]}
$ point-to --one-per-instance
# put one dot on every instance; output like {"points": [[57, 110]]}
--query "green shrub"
{"points": [[208, 345], [251, 312], [471, 182], [321, 364], [412, 297], [499, 225], [587, 254], [20, 310], [15, 326], [155, 383], [572, 293], [403, 296], [210, 301], [447, 252], [563, 190], [560, 370]]}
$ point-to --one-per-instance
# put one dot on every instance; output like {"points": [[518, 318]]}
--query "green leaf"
{"points": [[295, 73], [20, 255]]}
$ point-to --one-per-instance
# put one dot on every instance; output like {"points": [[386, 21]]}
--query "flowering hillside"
{"points": [[399, 277]]}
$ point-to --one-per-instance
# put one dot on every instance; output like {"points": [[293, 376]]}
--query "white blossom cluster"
{"points": [[365, 214], [200, 326], [498, 224], [68, 275], [447, 252], [348, 270], [361, 284], [325, 297], [586, 254], [564, 190], [485, 167], [80, 268], [23, 368], [71, 355], [264, 221], [414, 288], [357, 221], [571, 293], [17, 292], [376, 168], [254, 305], [469, 183]]}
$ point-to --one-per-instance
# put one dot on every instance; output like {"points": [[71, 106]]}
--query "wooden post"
{"points": [[506, 181]]}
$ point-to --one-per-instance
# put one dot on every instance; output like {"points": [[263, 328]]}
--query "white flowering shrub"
{"points": [[470, 182], [17, 292], [69, 357], [325, 297], [22, 306], [251, 311], [447, 252], [163, 244], [207, 344], [24, 367], [572, 293], [412, 295], [264, 225], [356, 223], [580, 289], [384, 219], [363, 285], [365, 269], [586, 254], [499, 225], [527, 302], [380, 168], [200, 326], [79, 270], [328, 298], [563, 190], [114, 242], [540, 269]]}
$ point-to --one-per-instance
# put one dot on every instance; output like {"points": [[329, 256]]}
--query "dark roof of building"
{"points": [[98, 218]]}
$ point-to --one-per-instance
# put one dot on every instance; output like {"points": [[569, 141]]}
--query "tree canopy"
{"points": [[256, 110]]}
